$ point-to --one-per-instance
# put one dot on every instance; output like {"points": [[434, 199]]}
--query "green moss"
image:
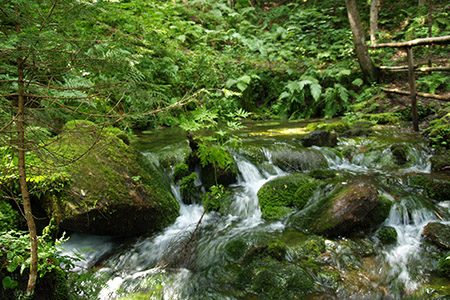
{"points": [[277, 195], [180, 171], [387, 234], [188, 190], [236, 249], [107, 181], [440, 136], [304, 193], [8, 217], [322, 174], [444, 265], [383, 118], [441, 161], [437, 189], [312, 247], [276, 249], [339, 126]]}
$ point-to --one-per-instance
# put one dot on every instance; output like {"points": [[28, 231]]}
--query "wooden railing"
{"points": [[410, 68]]}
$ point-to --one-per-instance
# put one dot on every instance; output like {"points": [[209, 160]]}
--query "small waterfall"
{"points": [[402, 260]]}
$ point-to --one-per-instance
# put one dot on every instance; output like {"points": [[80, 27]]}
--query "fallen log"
{"points": [[424, 95]]}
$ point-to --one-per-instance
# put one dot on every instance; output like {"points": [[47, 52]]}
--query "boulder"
{"points": [[436, 185], [437, 234], [440, 162], [111, 188], [292, 159], [279, 196], [344, 211], [320, 138]]}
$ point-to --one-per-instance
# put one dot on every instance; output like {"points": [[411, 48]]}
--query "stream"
{"points": [[359, 267]]}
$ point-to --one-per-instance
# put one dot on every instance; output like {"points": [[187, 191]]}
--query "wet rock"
{"points": [[387, 234], [290, 159], [266, 274], [436, 186], [437, 234], [278, 196], [111, 189], [358, 129], [440, 162], [344, 211], [320, 138], [400, 153]]}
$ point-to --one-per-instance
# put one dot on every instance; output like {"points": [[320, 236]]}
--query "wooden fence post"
{"points": [[412, 88]]}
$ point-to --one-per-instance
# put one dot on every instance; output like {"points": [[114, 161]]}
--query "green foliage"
{"points": [[15, 256], [444, 265], [180, 171], [8, 217]]}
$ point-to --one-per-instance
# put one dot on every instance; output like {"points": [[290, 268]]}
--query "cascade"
{"points": [[137, 267]]}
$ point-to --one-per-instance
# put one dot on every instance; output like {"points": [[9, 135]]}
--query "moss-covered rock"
{"points": [[266, 274], [343, 211], [436, 187], [291, 159], [320, 138], [438, 234], [190, 193], [387, 234], [111, 188], [339, 126], [440, 136], [383, 118], [440, 162], [277, 197]]}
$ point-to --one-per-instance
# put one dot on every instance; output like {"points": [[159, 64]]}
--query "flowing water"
{"points": [[135, 269]]}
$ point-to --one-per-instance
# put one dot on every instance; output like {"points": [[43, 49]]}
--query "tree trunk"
{"points": [[421, 2], [22, 175], [374, 8], [367, 67]]}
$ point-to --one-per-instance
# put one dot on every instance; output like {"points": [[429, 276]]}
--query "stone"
{"points": [[438, 234], [344, 211], [320, 138], [111, 189]]}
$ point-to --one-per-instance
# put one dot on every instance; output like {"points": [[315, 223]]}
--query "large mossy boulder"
{"points": [[279, 196], [345, 210], [291, 159], [437, 234], [112, 189]]}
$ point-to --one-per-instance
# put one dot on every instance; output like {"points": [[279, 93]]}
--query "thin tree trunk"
{"points": [[374, 8], [22, 175], [421, 2], [430, 30], [369, 70]]}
